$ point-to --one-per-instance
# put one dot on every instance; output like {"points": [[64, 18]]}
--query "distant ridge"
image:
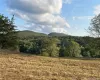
{"points": [[27, 33], [57, 34]]}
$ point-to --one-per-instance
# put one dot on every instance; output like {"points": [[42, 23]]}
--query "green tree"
{"points": [[70, 49], [49, 47], [94, 29], [73, 49], [85, 52], [8, 36], [94, 47]]}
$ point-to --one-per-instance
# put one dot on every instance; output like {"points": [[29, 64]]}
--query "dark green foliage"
{"points": [[8, 35], [95, 43], [90, 52], [70, 49], [41, 46], [61, 46], [29, 46], [85, 52]]}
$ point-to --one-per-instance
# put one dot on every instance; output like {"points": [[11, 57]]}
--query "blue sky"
{"points": [[66, 16]]}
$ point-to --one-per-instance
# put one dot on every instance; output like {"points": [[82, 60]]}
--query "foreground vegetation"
{"points": [[28, 67]]}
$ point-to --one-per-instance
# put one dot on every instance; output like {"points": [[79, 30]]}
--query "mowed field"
{"points": [[27, 67]]}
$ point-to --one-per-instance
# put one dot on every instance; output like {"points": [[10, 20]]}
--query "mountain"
{"points": [[57, 34], [27, 33]]}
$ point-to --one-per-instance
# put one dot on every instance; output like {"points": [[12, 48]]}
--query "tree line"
{"points": [[61, 46]]}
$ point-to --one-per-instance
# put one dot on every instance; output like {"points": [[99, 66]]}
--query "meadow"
{"points": [[30, 67]]}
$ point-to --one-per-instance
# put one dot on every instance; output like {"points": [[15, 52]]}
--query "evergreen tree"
{"points": [[8, 36]]}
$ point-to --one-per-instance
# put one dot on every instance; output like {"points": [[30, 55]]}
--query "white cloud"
{"points": [[97, 10], [46, 29], [41, 15], [82, 17]]}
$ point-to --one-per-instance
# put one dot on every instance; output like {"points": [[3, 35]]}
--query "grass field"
{"points": [[26, 67]]}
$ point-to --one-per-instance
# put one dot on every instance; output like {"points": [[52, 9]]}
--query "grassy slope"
{"points": [[24, 67], [27, 33]]}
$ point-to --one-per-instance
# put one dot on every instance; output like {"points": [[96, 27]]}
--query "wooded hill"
{"points": [[27, 33]]}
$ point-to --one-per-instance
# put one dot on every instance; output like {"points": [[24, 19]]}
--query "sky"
{"points": [[71, 17]]}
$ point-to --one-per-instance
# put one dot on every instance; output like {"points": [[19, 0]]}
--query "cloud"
{"points": [[40, 15], [82, 17], [46, 29], [97, 10]]}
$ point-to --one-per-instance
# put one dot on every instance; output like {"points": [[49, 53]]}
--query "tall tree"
{"points": [[8, 36], [94, 29]]}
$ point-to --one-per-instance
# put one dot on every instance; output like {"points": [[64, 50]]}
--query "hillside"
{"points": [[27, 67], [57, 34], [27, 33]]}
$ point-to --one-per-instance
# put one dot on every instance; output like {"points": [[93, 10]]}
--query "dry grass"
{"points": [[24, 67]]}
